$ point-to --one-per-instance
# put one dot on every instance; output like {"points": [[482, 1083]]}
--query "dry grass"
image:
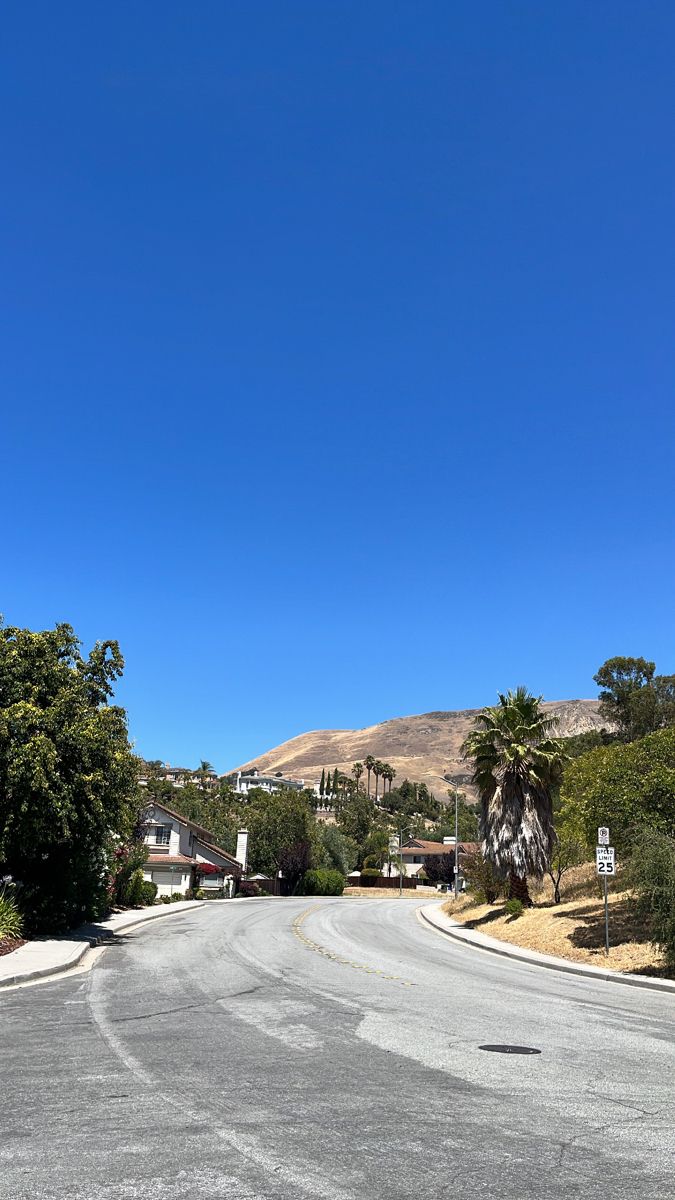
{"points": [[574, 929], [372, 893]]}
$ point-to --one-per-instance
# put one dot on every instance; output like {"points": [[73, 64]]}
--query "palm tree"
{"points": [[516, 762], [357, 772], [369, 763], [378, 771], [203, 771], [391, 775]]}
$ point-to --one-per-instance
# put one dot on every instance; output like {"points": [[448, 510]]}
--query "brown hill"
{"points": [[420, 747]]}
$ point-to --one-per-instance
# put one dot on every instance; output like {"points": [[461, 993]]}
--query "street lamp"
{"points": [[448, 779]]}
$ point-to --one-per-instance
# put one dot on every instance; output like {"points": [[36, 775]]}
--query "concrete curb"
{"points": [[479, 941], [69, 951]]}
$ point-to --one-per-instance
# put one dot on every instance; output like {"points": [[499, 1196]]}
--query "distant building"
{"points": [[179, 776], [245, 781], [415, 850]]}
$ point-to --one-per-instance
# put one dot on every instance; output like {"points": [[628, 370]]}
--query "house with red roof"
{"points": [[183, 855]]}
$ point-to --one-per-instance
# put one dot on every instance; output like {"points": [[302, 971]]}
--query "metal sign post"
{"points": [[605, 865]]}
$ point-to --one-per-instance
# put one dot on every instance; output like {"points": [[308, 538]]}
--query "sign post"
{"points": [[605, 865]]}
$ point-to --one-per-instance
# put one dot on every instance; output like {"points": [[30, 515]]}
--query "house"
{"points": [[179, 776], [182, 854], [244, 781], [415, 850]]}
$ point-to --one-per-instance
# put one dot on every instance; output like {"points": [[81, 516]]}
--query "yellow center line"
{"points": [[337, 958]]}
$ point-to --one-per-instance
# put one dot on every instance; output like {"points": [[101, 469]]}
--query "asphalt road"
{"points": [[330, 1049]]}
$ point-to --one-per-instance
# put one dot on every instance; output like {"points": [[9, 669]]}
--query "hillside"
{"points": [[419, 747]]}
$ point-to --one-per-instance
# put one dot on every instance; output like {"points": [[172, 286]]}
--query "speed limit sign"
{"points": [[604, 860]]}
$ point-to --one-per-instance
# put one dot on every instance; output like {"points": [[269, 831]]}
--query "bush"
{"points": [[514, 908], [11, 921], [248, 888], [481, 878], [324, 882], [148, 892], [371, 872], [165, 899], [651, 875], [133, 892]]}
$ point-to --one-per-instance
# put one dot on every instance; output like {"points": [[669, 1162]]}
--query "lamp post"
{"points": [[448, 779]]}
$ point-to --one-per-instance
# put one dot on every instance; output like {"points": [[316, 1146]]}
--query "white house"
{"points": [[246, 780], [182, 855]]}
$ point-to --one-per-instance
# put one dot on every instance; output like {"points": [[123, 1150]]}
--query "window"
{"points": [[162, 835]]}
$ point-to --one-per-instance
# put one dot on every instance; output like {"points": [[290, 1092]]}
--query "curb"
{"points": [[88, 942], [479, 941]]}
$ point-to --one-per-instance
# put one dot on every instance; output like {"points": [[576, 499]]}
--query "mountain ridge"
{"points": [[422, 746]]}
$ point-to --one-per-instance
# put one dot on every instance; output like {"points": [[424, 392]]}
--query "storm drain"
{"points": [[511, 1049]]}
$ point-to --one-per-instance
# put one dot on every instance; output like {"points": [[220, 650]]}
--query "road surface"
{"points": [[330, 1049]]}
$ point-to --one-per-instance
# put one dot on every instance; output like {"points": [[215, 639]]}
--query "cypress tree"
{"points": [[322, 785], [335, 781]]}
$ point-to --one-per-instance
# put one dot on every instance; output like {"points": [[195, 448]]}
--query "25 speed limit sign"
{"points": [[604, 860]]}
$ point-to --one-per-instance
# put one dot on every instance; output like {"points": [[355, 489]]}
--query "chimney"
{"points": [[241, 854]]}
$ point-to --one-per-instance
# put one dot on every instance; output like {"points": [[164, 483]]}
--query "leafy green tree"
{"points": [[651, 875], [633, 699], [340, 852], [621, 785], [68, 779], [581, 743], [468, 821], [189, 802], [280, 826], [568, 853], [440, 868], [516, 764], [357, 818]]}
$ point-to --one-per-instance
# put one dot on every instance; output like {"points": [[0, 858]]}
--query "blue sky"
{"points": [[337, 352]]}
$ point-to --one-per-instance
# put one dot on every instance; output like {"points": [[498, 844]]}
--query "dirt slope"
{"points": [[418, 747]]}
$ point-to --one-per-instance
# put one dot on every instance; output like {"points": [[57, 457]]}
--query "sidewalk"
{"points": [[433, 915], [50, 956]]}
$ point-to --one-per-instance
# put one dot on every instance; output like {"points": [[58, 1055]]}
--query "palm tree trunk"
{"points": [[369, 783], [518, 889], [377, 784]]}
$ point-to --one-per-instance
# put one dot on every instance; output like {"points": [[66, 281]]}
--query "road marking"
{"points": [[330, 954]]}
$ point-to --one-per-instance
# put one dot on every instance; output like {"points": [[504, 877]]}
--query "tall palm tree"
{"points": [[357, 772], [516, 762], [378, 771], [369, 763], [391, 775]]}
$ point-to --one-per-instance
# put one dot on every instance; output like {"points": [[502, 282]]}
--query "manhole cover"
{"points": [[511, 1049]]}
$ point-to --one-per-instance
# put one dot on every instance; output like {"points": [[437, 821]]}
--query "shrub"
{"points": [[514, 908], [324, 882], [148, 892], [165, 899], [248, 888], [133, 892], [480, 877], [370, 872], [651, 875], [11, 921]]}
